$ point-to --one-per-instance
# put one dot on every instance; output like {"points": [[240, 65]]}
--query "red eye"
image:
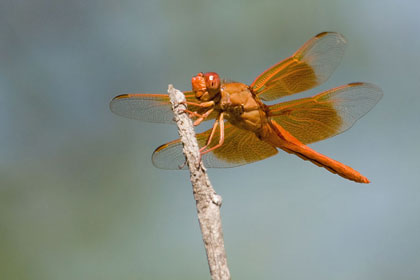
{"points": [[212, 81]]}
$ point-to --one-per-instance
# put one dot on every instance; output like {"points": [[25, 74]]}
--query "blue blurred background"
{"points": [[80, 198]]}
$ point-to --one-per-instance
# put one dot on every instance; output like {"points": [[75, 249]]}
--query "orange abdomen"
{"points": [[276, 135]]}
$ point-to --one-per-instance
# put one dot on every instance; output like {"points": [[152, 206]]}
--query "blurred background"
{"points": [[80, 198]]}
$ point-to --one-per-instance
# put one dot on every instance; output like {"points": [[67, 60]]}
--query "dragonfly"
{"points": [[245, 129]]}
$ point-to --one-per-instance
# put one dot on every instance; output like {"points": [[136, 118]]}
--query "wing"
{"points": [[149, 107], [326, 114], [310, 66], [240, 147]]}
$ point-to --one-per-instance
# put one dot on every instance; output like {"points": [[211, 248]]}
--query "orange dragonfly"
{"points": [[247, 130]]}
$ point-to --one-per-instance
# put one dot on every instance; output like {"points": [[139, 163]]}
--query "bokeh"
{"points": [[80, 198]]}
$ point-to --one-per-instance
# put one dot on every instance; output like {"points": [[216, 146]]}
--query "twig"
{"points": [[207, 201]]}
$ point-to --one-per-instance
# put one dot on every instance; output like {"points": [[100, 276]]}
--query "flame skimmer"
{"points": [[253, 131]]}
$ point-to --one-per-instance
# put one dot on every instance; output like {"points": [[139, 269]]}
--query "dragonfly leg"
{"points": [[203, 117], [213, 130], [193, 114], [216, 123], [221, 138], [200, 117], [201, 104]]}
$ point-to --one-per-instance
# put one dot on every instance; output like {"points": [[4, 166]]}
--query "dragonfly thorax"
{"points": [[241, 107]]}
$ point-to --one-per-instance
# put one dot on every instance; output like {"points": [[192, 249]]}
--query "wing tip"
{"points": [[121, 96], [161, 147], [155, 154], [112, 103], [371, 86], [157, 160], [339, 36]]}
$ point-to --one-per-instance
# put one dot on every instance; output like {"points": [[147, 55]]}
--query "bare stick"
{"points": [[207, 201]]}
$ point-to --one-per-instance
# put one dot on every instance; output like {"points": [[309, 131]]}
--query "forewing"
{"points": [[310, 66], [154, 108], [240, 147], [327, 114]]}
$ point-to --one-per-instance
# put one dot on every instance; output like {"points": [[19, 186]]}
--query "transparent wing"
{"points": [[240, 147], [326, 114], [310, 66], [149, 107]]}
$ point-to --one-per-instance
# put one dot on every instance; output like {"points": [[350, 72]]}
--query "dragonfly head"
{"points": [[206, 86]]}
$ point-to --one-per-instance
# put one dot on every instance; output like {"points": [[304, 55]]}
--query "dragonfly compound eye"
{"points": [[212, 81]]}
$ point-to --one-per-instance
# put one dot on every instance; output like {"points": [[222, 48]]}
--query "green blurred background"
{"points": [[80, 198]]}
